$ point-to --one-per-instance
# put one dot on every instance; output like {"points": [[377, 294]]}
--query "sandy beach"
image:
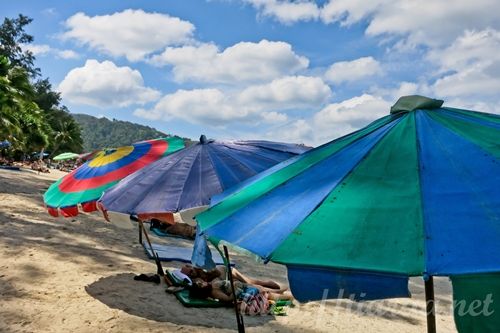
{"points": [[76, 275]]}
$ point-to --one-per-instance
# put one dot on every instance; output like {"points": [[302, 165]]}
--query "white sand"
{"points": [[75, 275]]}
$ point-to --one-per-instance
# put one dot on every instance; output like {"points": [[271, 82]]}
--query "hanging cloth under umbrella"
{"points": [[86, 184]]}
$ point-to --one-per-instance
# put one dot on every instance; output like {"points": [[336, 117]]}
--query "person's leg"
{"points": [[275, 286], [285, 296]]}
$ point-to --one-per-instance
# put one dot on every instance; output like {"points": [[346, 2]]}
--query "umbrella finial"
{"points": [[414, 102], [203, 139]]}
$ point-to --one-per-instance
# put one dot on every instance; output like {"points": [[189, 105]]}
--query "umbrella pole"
{"points": [[140, 232], [158, 262], [239, 317], [430, 305]]}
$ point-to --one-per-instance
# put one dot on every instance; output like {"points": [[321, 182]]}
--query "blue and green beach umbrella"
{"points": [[414, 193]]}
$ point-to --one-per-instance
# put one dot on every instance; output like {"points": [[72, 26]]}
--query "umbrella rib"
{"points": [[187, 176]]}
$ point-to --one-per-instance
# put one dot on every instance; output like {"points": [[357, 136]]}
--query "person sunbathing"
{"points": [[221, 290], [179, 229], [219, 273]]}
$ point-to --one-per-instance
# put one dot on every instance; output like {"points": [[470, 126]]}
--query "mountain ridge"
{"points": [[98, 133]]}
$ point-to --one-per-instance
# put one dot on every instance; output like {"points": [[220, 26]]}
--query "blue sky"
{"points": [[297, 71]]}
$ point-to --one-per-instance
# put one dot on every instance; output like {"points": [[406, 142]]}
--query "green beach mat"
{"points": [[190, 302], [175, 280]]}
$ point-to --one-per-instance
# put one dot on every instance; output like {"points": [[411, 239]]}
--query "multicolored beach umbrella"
{"points": [[190, 177], [414, 193], [86, 184]]}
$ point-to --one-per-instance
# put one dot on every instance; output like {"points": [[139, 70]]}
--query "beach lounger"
{"points": [[176, 253]]}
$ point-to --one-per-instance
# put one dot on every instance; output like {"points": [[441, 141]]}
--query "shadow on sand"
{"points": [[150, 301]]}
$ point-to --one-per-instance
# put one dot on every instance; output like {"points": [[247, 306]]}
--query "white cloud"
{"points": [[433, 23], [348, 71], [199, 106], [348, 12], [43, 50], [37, 49], [341, 118], [263, 103], [274, 117], [131, 33], [470, 69], [297, 131], [332, 121], [103, 84], [285, 11], [287, 93], [242, 62], [67, 54]]}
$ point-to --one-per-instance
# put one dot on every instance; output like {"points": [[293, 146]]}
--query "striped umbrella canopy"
{"points": [[86, 184], [65, 156], [189, 178], [414, 193]]}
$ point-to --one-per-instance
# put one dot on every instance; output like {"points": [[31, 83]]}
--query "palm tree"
{"points": [[8, 101], [21, 120], [67, 134]]}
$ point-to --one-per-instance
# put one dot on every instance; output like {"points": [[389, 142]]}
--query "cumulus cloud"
{"points": [[199, 106], [338, 119], [287, 11], [131, 33], [45, 50], [286, 93], [242, 62], [297, 131], [470, 69], [333, 121], [104, 84], [436, 23], [255, 104], [349, 71]]}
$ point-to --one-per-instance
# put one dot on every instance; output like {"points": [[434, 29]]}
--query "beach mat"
{"points": [[177, 253], [8, 167], [191, 302]]}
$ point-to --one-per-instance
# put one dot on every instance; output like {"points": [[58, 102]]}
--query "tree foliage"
{"points": [[31, 114]]}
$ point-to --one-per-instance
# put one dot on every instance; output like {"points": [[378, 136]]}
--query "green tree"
{"points": [[31, 114], [66, 132], [12, 38], [22, 121]]}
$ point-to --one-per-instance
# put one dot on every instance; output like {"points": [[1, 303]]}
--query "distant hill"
{"points": [[101, 132]]}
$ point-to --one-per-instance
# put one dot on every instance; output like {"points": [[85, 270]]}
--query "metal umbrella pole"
{"points": [[430, 304], [239, 317]]}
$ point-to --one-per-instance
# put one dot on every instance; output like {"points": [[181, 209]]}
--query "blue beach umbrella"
{"points": [[188, 178]]}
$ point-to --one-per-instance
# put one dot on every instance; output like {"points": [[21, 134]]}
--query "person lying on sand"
{"points": [[219, 273], [221, 290], [251, 299]]}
